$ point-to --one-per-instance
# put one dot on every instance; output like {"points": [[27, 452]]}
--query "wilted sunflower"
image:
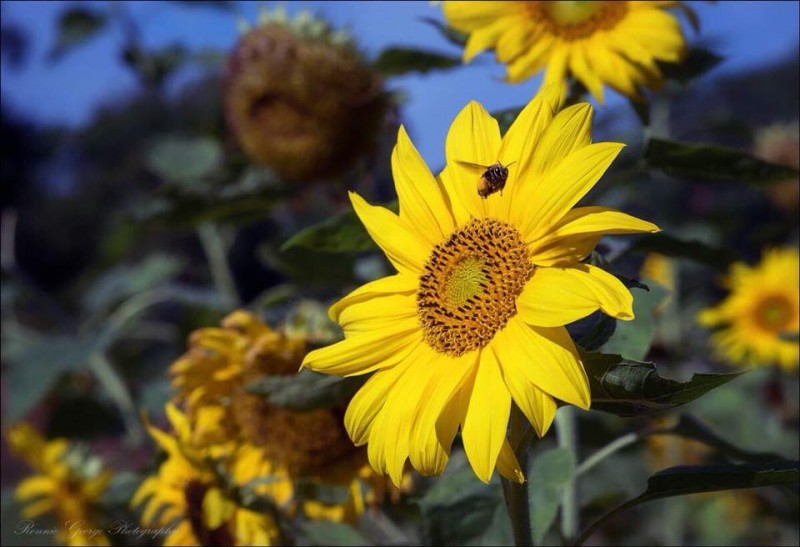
{"points": [[202, 499], [614, 43], [759, 320], [212, 381], [67, 483], [475, 315]]}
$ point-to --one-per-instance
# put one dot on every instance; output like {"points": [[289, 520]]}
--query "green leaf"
{"points": [[550, 471], [153, 67], [340, 233], [76, 25], [325, 532], [631, 388], [305, 390], [124, 281], [697, 251], [713, 163], [396, 61], [34, 367], [697, 62], [450, 34], [684, 480], [593, 331], [633, 338], [461, 510], [184, 160]]}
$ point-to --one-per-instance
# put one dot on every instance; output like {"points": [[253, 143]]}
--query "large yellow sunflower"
{"points": [[613, 43], [66, 483], [761, 315], [475, 316]]}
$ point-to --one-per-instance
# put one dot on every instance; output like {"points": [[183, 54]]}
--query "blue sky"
{"points": [[747, 34]]}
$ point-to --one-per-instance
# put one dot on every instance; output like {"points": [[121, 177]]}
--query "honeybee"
{"points": [[492, 180]]}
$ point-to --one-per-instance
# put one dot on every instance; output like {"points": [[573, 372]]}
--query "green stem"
{"points": [[515, 494], [217, 255], [568, 438], [606, 451], [116, 388]]}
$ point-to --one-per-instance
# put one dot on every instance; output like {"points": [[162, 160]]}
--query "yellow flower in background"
{"points": [[600, 43], [475, 316], [211, 382], [67, 483], [760, 318], [196, 495]]}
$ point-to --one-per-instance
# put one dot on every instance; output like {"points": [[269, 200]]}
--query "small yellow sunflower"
{"points": [[759, 319], [67, 483], [475, 316], [201, 498], [614, 43]]}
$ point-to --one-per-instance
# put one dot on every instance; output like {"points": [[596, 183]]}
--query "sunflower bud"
{"points": [[299, 98]]}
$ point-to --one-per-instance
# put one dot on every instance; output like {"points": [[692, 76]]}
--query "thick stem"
{"points": [[217, 255], [515, 494], [568, 438]]}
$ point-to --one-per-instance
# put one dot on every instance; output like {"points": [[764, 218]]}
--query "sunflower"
{"points": [[200, 499], [758, 320], [600, 43], [66, 483], [475, 316]]}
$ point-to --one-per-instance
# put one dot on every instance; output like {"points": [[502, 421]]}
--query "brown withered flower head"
{"points": [[299, 98]]}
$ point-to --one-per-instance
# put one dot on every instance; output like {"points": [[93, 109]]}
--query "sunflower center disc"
{"points": [[572, 20], [470, 286], [774, 314]]}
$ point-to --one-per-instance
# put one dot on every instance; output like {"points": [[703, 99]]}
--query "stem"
{"points": [[116, 388], [568, 438], [515, 494], [217, 255], [606, 451]]}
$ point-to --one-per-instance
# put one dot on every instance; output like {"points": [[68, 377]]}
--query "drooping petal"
{"points": [[426, 452], [584, 221], [485, 424], [508, 465], [538, 407], [558, 296], [377, 313], [402, 247], [422, 203], [365, 352], [568, 182], [547, 357], [393, 284]]}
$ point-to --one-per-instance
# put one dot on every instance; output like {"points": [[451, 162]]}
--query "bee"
{"points": [[492, 180]]}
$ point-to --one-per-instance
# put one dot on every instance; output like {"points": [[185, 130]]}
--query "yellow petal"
{"points": [[426, 452], [377, 313], [34, 486], [484, 38], [369, 400], [508, 465], [659, 30], [422, 203], [402, 247], [565, 251], [486, 421], [557, 66], [217, 509], [519, 143], [538, 407], [558, 296], [468, 16], [583, 72], [547, 357], [393, 284], [364, 352], [563, 186], [38, 508], [473, 138], [584, 221], [570, 131]]}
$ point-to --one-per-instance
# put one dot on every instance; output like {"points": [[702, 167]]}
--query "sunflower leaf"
{"points": [[324, 532], [697, 62], [710, 163], [633, 338], [632, 388], [551, 470], [75, 26], [397, 61], [684, 480], [305, 390], [694, 250]]}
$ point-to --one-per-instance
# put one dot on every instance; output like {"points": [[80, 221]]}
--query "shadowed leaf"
{"points": [[76, 25], [710, 163], [305, 390], [697, 62], [550, 471], [396, 61], [694, 250], [450, 34], [332, 533], [633, 338]]}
